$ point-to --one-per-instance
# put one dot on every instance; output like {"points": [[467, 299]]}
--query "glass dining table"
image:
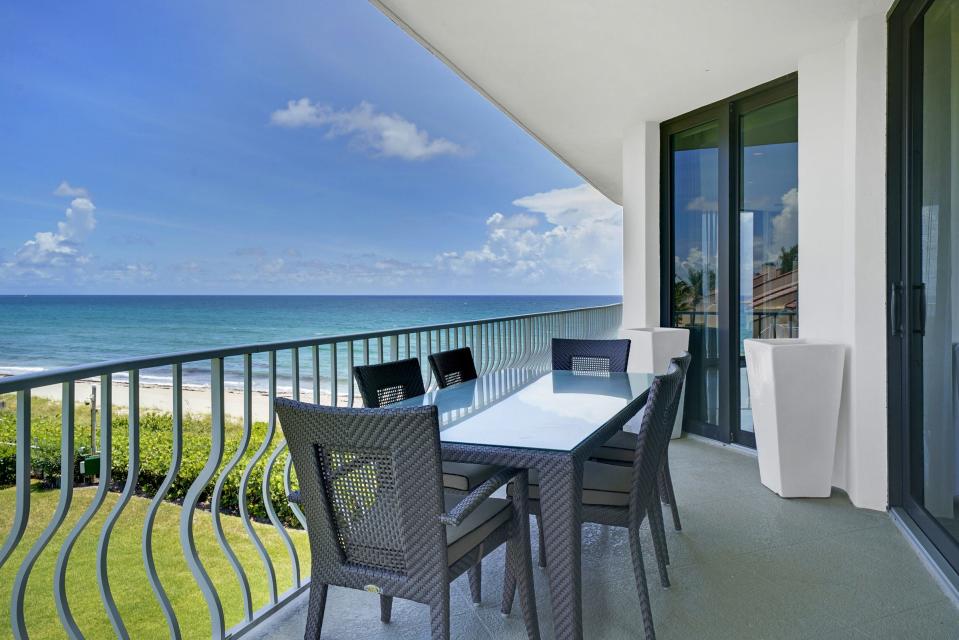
{"points": [[552, 422]]}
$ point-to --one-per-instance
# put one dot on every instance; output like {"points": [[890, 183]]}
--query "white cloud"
{"points": [[700, 203], [125, 273], [387, 135], [60, 248], [64, 189], [785, 222], [582, 242]]}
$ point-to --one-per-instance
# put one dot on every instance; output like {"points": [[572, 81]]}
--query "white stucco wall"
{"points": [[842, 102]]}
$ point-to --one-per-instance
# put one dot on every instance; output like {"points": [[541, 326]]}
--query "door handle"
{"points": [[920, 302], [895, 308]]}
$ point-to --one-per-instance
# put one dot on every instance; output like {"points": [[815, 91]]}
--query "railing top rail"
{"points": [[67, 374]]}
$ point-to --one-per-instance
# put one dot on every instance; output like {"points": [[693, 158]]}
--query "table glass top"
{"points": [[521, 408]]}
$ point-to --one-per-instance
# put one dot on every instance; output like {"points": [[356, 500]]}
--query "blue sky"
{"points": [[282, 147]]}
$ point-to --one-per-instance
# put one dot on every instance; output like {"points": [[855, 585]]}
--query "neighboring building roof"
{"points": [[577, 75]]}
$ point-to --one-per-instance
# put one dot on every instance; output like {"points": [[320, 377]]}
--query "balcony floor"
{"points": [[747, 564]]}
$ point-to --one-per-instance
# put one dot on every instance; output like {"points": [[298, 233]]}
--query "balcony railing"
{"points": [[239, 454]]}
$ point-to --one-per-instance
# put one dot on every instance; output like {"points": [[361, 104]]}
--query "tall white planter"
{"points": [[796, 387], [650, 351]]}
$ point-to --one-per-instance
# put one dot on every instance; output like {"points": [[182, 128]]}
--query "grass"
{"points": [[127, 575]]}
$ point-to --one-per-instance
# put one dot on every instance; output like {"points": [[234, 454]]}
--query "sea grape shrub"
{"points": [[156, 455]]}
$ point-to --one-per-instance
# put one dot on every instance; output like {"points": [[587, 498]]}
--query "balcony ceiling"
{"points": [[577, 74]]}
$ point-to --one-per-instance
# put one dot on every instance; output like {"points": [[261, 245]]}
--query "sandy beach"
{"points": [[159, 397]]}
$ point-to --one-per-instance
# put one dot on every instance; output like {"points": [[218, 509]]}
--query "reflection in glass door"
{"points": [[694, 157], [768, 232], [933, 281]]}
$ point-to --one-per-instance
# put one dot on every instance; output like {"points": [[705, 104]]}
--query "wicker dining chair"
{"points": [[453, 366], [377, 517], [625, 496], [596, 357], [620, 449], [384, 384], [590, 356]]}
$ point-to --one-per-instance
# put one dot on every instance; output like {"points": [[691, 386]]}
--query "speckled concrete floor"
{"points": [[747, 564]]}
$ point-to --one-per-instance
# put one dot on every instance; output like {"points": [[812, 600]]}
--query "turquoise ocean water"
{"points": [[42, 332]]}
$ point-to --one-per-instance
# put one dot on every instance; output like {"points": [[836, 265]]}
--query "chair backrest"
{"points": [[654, 433], [371, 490], [453, 367], [590, 356], [383, 384], [682, 361]]}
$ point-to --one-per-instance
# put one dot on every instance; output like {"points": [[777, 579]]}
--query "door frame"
{"points": [[726, 114], [903, 228]]}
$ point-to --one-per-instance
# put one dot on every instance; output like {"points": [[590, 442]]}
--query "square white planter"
{"points": [[795, 386], [650, 351]]}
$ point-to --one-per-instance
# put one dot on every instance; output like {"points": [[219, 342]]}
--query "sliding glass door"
{"points": [[768, 232], [694, 162], [924, 269], [731, 252]]}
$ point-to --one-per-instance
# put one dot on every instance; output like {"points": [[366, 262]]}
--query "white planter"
{"points": [[650, 351], [795, 386]]}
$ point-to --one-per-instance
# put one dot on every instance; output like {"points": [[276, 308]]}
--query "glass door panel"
{"points": [[768, 305], [695, 231], [935, 278]]}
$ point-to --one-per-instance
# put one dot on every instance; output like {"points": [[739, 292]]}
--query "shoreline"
{"points": [[196, 399]]}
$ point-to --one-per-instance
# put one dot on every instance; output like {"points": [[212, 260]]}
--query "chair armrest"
{"points": [[294, 497], [475, 498]]}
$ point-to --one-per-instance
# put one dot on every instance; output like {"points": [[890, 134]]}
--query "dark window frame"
{"points": [[726, 114]]}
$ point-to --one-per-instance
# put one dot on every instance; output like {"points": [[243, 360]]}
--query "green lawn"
{"points": [[131, 590]]}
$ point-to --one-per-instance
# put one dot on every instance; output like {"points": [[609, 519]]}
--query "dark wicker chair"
{"points": [[378, 519], [620, 449], [453, 367], [624, 496], [590, 356], [384, 384]]}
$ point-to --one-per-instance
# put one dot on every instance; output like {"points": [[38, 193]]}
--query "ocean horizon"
{"points": [[41, 332]]}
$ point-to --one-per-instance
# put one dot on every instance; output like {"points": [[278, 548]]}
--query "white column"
{"points": [[842, 221], [641, 226]]}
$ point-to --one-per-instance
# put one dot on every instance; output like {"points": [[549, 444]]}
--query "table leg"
{"points": [[561, 504]]}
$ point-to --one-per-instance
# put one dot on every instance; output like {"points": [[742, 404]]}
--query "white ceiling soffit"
{"points": [[577, 74]]}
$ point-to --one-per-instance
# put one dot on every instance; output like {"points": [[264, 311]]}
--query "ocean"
{"points": [[43, 332]]}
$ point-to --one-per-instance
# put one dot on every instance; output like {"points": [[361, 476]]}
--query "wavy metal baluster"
{"points": [[175, 460], [248, 471], [133, 474], [349, 372], [334, 375], [267, 472], [68, 409], [219, 424], [22, 513], [481, 347], [315, 364], [106, 464], [425, 350], [295, 374], [275, 519], [193, 494]]}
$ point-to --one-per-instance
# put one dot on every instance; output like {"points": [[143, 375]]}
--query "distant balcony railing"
{"points": [[237, 454]]}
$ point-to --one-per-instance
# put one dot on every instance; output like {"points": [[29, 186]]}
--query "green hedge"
{"points": [[156, 449]]}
